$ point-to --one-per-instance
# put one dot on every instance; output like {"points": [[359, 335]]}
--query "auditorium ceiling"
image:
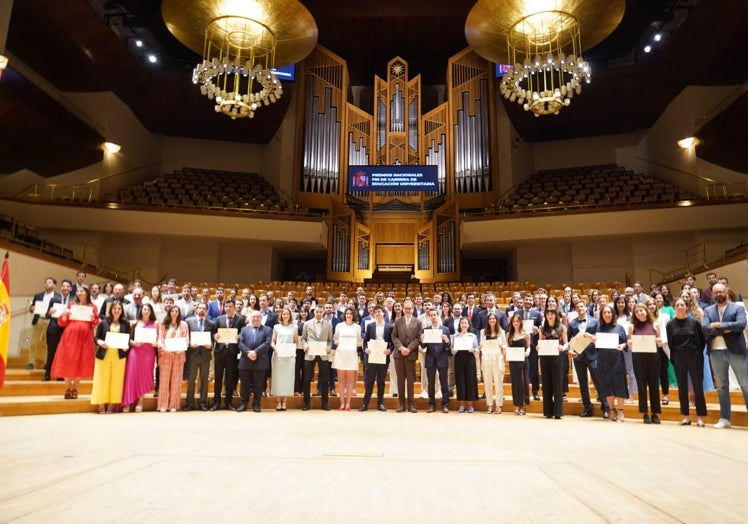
{"points": [[75, 50]]}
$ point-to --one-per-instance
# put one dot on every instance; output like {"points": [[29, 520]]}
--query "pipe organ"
{"points": [[455, 136]]}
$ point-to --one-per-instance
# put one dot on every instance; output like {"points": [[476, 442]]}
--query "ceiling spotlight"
{"points": [[657, 37], [138, 43], [111, 147], [152, 58], [688, 143], [647, 48]]}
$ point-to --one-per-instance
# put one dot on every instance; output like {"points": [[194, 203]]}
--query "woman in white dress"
{"points": [[282, 384], [347, 336]]}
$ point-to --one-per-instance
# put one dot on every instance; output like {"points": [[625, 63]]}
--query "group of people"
{"points": [[624, 343]]}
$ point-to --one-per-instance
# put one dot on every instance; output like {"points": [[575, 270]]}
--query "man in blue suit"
{"points": [[376, 330], [216, 307], [437, 358], [587, 360], [723, 325], [254, 344]]}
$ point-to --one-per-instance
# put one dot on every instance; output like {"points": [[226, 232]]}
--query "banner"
{"points": [[4, 318]]}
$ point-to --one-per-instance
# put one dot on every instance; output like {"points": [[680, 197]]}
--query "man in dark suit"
{"points": [[723, 325], [479, 321], [198, 358], [532, 375], [225, 357], [118, 295], [54, 330], [406, 335], [376, 330], [254, 344], [40, 322], [587, 360], [436, 356], [269, 319], [215, 307]]}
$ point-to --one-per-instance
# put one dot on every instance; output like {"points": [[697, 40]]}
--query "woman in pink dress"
{"points": [[171, 363], [76, 354], [140, 361]]}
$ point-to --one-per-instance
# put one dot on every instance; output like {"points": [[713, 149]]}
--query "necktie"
{"points": [[199, 325], [254, 335]]}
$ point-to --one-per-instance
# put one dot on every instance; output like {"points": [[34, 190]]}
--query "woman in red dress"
{"points": [[76, 354]]}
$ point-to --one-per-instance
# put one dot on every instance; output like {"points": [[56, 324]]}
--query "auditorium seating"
{"points": [[196, 188], [606, 185], [19, 233]]}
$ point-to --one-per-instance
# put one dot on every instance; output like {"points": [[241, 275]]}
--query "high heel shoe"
{"points": [[68, 394], [700, 423], [613, 414], [523, 411], [489, 410], [619, 417], [139, 408], [73, 393], [516, 411], [685, 422], [278, 407]]}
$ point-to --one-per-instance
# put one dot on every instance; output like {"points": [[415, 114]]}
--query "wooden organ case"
{"points": [[373, 232]]}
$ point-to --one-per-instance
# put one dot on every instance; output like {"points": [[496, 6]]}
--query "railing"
{"points": [[700, 181], [726, 190]]}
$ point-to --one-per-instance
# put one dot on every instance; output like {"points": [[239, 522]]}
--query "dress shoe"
{"points": [[412, 409], [646, 419], [230, 406], [256, 409], [203, 407], [655, 418], [241, 408], [431, 409], [606, 414], [215, 407], [325, 407], [381, 407], [333, 394], [586, 413], [445, 410], [363, 408], [188, 407], [394, 395], [401, 409], [527, 400], [305, 407]]}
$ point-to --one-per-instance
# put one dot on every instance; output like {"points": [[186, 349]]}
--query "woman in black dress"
{"points": [[611, 367], [517, 337], [551, 367]]}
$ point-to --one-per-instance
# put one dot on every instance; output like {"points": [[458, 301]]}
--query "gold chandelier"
{"points": [[542, 41], [241, 42]]}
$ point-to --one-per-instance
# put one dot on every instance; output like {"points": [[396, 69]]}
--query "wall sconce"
{"points": [[689, 142], [111, 147]]}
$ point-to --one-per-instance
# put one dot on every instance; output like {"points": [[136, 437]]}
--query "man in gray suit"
{"points": [[317, 329], [406, 335], [198, 357]]}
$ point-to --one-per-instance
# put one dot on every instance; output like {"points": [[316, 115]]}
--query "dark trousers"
{"points": [[158, 373], [565, 366], [466, 380], [298, 380], [647, 373], [53, 340], [332, 377], [532, 366], [405, 369], [582, 366], [517, 371], [375, 373], [690, 363], [323, 367], [225, 362], [198, 361], [552, 371], [664, 378], [443, 382], [255, 377]]}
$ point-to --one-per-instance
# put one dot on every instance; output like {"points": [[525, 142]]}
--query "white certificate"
{"points": [[175, 344], [228, 335], [59, 309], [432, 336], [579, 343], [346, 344], [82, 313], [200, 338], [463, 343], [607, 340], [285, 349], [643, 344], [527, 325], [41, 307], [491, 347], [145, 335], [548, 348], [117, 340], [377, 348], [318, 348], [515, 354]]}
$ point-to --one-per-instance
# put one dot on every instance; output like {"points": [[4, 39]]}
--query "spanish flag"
{"points": [[4, 318]]}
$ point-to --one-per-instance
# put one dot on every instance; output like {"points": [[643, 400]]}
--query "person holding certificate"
{"points": [[434, 347], [347, 340], [552, 350], [75, 354], [644, 338], [317, 338], [113, 341], [285, 339], [225, 354], [140, 360], [406, 335], [518, 349], [378, 338], [687, 341], [173, 334], [298, 377], [254, 360], [464, 348], [610, 343], [492, 348], [198, 355]]}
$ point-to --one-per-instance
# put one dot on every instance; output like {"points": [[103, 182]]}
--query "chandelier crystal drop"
{"points": [[549, 70]]}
